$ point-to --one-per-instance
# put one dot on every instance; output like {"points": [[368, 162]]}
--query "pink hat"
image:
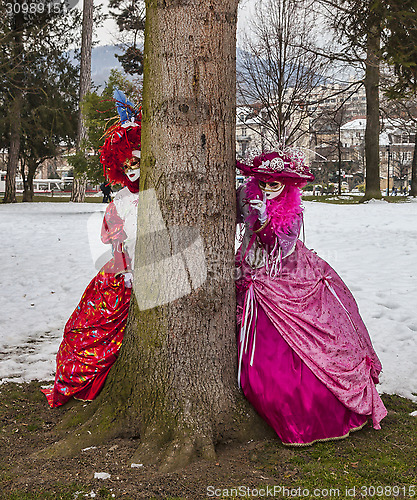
{"points": [[285, 165]]}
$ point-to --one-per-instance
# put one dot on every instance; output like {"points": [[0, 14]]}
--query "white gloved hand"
{"points": [[260, 207], [128, 280]]}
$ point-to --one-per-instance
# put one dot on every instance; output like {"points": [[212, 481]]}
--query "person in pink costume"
{"points": [[306, 361]]}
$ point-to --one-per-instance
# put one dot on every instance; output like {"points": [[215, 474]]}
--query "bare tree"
{"points": [[279, 70], [357, 25], [80, 182], [329, 126], [401, 112], [402, 107]]}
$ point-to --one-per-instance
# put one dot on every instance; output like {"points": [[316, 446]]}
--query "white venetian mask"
{"points": [[271, 189]]}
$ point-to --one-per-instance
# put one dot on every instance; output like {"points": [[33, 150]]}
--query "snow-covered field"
{"points": [[48, 253]]}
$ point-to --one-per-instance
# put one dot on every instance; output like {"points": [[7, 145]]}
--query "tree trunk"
{"points": [[15, 118], [28, 182], [14, 149], [413, 191], [175, 382], [339, 159], [79, 186], [80, 181], [372, 189]]}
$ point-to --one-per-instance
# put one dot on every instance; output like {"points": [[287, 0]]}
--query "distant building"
{"points": [[249, 131], [396, 144]]}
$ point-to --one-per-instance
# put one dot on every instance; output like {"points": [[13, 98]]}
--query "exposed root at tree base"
{"points": [[85, 426], [177, 453]]}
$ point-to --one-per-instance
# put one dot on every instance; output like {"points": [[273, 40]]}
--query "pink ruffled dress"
{"points": [[306, 362]]}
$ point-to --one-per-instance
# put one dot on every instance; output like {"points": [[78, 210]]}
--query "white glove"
{"points": [[128, 280], [260, 206]]}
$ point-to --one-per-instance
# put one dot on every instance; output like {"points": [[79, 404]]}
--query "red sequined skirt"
{"points": [[92, 339]]}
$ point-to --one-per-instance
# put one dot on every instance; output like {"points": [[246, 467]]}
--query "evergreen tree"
{"points": [[400, 51], [400, 44], [36, 36], [130, 18], [99, 112], [369, 32], [48, 123]]}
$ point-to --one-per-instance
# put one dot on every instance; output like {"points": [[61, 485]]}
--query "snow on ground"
{"points": [[373, 247], [48, 253], [45, 265]]}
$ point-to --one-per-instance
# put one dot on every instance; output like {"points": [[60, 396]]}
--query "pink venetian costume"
{"points": [[306, 362]]}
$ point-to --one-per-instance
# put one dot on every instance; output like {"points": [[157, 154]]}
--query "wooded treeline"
{"points": [[40, 88], [283, 66]]}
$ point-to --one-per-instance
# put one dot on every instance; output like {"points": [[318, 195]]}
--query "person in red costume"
{"points": [[94, 332]]}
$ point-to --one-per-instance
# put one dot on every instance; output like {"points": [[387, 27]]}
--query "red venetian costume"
{"points": [[94, 332]]}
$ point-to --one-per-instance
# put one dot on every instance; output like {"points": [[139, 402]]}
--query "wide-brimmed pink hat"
{"points": [[285, 165]]}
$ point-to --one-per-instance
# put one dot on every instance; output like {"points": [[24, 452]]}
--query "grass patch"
{"points": [[368, 464], [61, 492], [334, 199]]}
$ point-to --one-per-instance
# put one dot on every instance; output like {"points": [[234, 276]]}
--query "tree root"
{"points": [[179, 452], [82, 427]]}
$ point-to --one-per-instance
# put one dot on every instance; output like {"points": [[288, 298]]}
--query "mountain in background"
{"points": [[103, 60]]}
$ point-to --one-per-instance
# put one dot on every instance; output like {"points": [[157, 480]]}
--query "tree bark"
{"points": [[15, 118], [372, 189], [28, 181], [80, 182], [174, 384], [14, 148], [413, 191]]}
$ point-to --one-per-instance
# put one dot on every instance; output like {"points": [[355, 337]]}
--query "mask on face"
{"points": [[271, 189], [133, 175], [131, 166]]}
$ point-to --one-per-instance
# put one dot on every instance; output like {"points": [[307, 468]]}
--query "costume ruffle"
{"points": [[306, 361]]}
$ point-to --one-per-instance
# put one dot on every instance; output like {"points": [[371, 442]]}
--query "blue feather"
{"points": [[124, 107]]}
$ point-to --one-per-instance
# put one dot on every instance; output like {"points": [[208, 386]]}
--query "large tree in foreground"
{"points": [[174, 384]]}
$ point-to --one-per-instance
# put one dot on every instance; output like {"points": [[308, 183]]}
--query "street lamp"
{"points": [[389, 157]]}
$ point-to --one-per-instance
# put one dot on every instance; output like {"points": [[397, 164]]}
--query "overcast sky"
{"points": [[108, 32]]}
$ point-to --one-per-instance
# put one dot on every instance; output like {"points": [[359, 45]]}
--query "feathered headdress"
{"points": [[122, 141]]}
